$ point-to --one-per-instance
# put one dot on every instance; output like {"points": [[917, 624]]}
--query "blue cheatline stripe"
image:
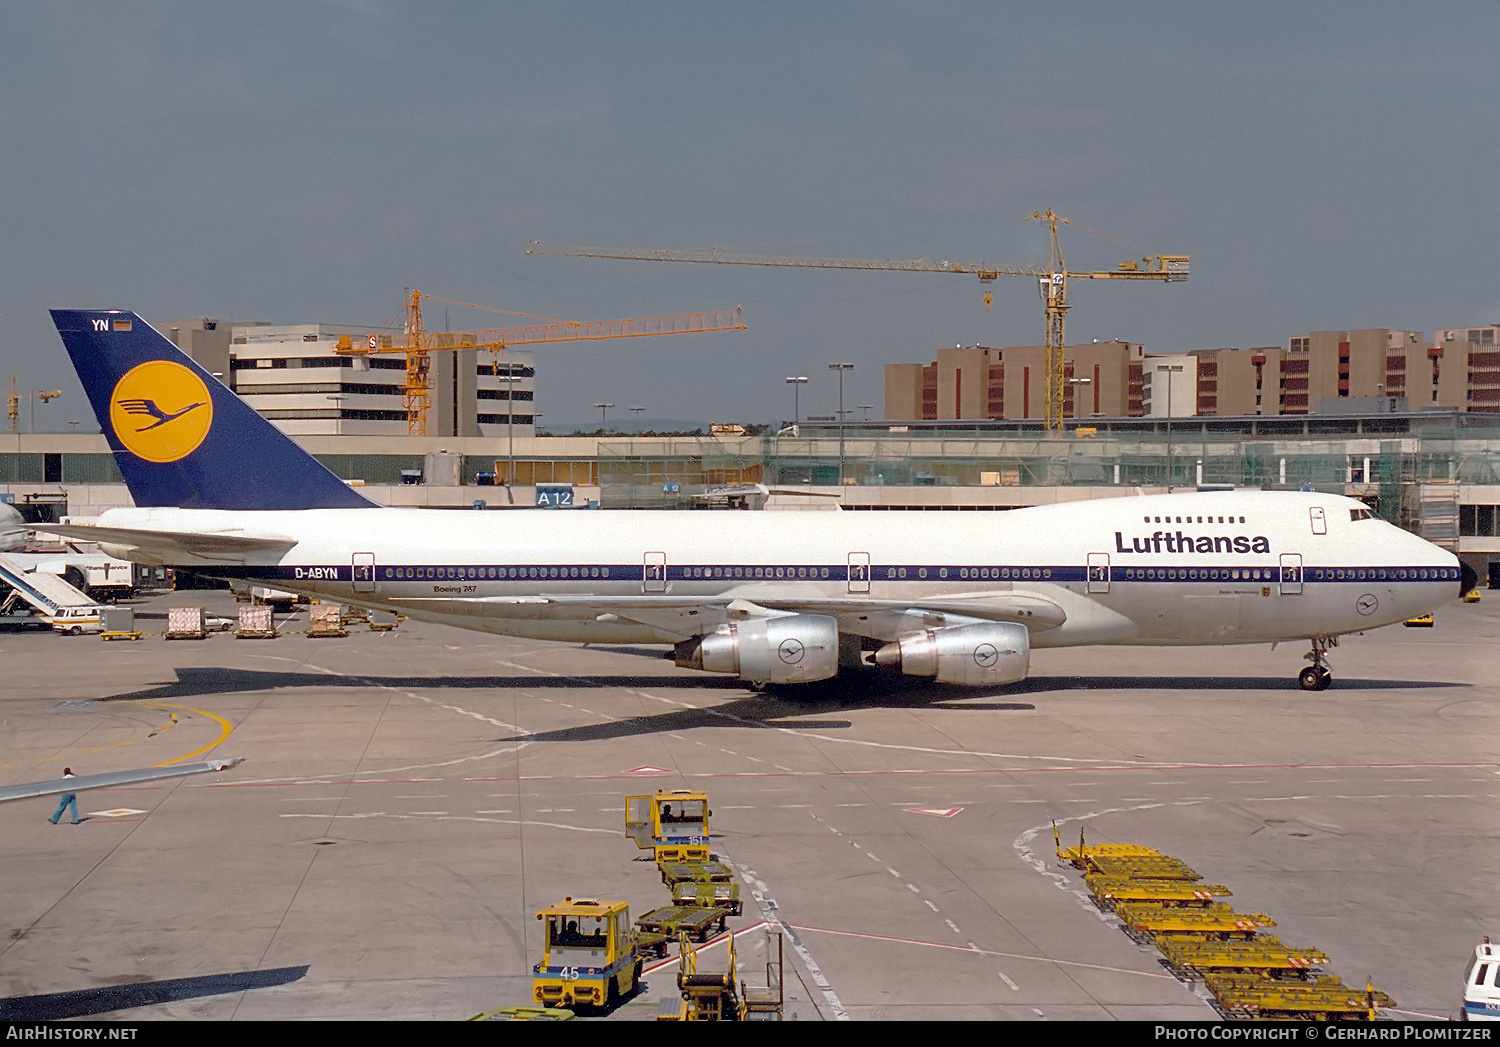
{"points": [[834, 573]]}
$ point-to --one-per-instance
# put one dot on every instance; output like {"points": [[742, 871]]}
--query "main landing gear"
{"points": [[1317, 676]]}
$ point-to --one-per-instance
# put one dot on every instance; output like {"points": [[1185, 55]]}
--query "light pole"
{"points": [[796, 384], [841, 368], [866, 409], [1169, 370], [338, 411], [603, 416], [637, 412]]}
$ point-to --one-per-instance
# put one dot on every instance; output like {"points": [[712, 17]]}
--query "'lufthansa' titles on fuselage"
{"points": [[1177, 542]]}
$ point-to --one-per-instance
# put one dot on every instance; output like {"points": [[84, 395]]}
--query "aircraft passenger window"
{"points": [[942, 572]]}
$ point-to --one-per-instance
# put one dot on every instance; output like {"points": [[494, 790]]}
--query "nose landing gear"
{"points": [[1318, 676]]}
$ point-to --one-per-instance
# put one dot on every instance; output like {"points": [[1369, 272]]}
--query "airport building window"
{"points": [[1478, 521]]}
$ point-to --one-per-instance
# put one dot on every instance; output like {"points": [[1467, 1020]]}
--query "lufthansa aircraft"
{"points": [[771, 597]]}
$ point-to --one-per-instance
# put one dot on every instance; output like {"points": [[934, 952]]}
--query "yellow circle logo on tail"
{"points": [[161, 411]]}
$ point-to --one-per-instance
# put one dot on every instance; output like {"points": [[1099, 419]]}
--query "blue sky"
{"points": [[1327, 165]]}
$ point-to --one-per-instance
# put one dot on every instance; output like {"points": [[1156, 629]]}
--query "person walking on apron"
{"points": [[68, 800]]}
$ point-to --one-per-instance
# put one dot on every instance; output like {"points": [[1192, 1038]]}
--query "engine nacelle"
{"points": [[795, 648], [984, 653]]}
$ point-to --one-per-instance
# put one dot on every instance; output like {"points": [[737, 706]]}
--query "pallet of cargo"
{"points": [[695, 921], [1109, 891], [257, 622], [1215, 955], [1146, 918], [326, 620], [384, 621], [186, 623], [713, 894], [673, 873]]}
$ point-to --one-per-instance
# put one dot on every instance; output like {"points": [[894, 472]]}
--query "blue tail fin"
{"points": [[182, 438]]}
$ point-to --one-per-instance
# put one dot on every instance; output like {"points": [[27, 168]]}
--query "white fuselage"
{"points": [[1210, 568]]}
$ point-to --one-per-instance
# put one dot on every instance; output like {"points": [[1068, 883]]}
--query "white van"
{"points": [[1482, 985], [75, 621]]}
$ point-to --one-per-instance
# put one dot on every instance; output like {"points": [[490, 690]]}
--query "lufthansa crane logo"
{"points": [[985, 656], [160, 411], [791, 650]]}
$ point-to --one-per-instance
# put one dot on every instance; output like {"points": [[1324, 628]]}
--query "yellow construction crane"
{"points": [[1052, 281], [13, 404], [420, 342]]}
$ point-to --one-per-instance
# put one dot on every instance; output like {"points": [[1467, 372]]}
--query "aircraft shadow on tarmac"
{"points": [[852, 691], [778, 707], [80, 1003]]}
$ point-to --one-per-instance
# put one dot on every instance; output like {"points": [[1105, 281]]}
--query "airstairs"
{"points": [[46, 593]]}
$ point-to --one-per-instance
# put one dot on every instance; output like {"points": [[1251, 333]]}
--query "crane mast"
{"points": [[1052, 279]]}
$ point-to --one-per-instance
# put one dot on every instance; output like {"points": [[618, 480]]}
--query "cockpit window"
{"points": [[1361, 514]]}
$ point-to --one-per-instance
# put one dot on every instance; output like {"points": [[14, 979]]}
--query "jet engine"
{"points": [[794, 648], [984, 653]]}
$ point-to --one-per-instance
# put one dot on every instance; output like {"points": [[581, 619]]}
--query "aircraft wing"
{"points": [[225, 546], [690, 616], [57, 786]]}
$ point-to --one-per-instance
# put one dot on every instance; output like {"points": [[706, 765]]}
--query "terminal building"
{"points": [[1320, 372], [293, 376]]}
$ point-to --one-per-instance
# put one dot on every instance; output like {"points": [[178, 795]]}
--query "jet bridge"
{"points": [[46, 593]]}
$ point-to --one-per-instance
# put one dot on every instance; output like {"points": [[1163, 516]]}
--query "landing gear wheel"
{"points": [[1315, 678]]}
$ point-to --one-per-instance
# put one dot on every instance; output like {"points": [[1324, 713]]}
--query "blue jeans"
{"points": [[69, 799]]}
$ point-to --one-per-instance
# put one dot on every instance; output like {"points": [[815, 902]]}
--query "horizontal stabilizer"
{"points": [[207, 545], [112, 779]]}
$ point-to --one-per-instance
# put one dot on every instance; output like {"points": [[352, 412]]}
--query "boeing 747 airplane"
{"points": [[769, 597]]}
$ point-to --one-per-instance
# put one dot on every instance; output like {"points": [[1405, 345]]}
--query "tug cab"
{"points": [[589, 956], [673, 824]]}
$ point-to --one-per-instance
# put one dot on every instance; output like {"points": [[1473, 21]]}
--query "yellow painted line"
{"points": [[196, 752]]}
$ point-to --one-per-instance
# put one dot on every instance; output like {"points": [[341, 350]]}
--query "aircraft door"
{"points": [[654, 573], [1319, 520], [1291, 574], [859, 572], [1098, 572], [362, 572]]}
